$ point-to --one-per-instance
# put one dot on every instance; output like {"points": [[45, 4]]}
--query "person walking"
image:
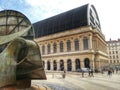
{"points": [[92, 75], [109, 73], [89, 72], [64, 74], [82, 73]]}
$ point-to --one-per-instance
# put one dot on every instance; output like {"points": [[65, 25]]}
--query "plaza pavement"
{"points": [[75, 81]]}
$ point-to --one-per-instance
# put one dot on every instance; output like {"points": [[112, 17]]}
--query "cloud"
{"points": [[37, 10], [42, 9], [1, 8]]}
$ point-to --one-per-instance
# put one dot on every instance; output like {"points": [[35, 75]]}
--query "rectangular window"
{"points": [[85, 43]]}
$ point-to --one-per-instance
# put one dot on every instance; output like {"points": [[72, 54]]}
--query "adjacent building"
{"points": [[113, 48], [72, 40]]}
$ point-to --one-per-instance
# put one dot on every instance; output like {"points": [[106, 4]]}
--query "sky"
{"points": [[36, 10]]}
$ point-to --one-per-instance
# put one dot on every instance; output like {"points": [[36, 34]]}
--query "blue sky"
{"points": [[36, 10]]}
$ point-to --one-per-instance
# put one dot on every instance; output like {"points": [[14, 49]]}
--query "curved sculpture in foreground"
{"points": [[20, 57]]}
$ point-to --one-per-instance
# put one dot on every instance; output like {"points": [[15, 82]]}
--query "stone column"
{"points": [[46, 49], [51, 65], [82, 63], [45, 67], [93, 62], [90, 41], [58, 65], [40, 48], [65, 65], [73, 65], [65, 46], [72, 45], [81, 43], [97, 63], [58, 47], [51, 47]]}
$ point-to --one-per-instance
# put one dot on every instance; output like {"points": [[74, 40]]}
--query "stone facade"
{"points": [[71, 50], [113, 48]]}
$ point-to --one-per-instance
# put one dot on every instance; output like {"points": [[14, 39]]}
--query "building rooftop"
{"points": [[75, 18], [113, 41]]}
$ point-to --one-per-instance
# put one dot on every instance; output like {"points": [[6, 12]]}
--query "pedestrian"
{"points": [[82, 73], [89, 72], [92, 75], [109, 72], [113, 71], [64, 74]]}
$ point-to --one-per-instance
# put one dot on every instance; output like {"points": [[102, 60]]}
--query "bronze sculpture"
{"points": [[20, 59]]}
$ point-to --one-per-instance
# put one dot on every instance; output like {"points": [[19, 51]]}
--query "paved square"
{"points": [[74, 81]]}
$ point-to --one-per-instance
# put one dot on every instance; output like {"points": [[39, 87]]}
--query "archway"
{"points": [[87, 63], [61, 65], [54, 65], [77, 62], [48, 65], [69, 65]]}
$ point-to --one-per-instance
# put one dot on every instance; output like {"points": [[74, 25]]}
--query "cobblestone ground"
{"points": [[74, 81]]}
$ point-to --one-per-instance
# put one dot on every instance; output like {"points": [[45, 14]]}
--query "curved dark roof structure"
{"points": [[81, 16]]}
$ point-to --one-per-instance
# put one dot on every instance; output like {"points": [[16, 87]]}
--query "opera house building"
{"points": [[72, 40]]}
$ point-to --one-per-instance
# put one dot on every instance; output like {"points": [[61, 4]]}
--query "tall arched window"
{"points": [[69, 65], [68, 45], [76, 44], [43, 49], [85, 43], [61, 46], [54, 65], [113, 57], [48, 46], [48, 65], [87, 63], [61, 65], [77, 62], [54, 48]]}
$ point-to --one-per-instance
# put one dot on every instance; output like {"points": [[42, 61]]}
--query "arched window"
{"points": [[113, 57], [87, 63], [110, 61], [48, 46], [61, 46], [54, 48], [117, 61], [43, 49], [68, 45], [85, 43], [54, 65], [61, 65], [113, 52], [117, 56], [77, 62], [48, 65], [69, 65], [76, 43], [109, 52], [114, 61]]}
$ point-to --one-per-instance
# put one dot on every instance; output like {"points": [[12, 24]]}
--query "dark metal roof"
{"points": [[65, 21]]}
